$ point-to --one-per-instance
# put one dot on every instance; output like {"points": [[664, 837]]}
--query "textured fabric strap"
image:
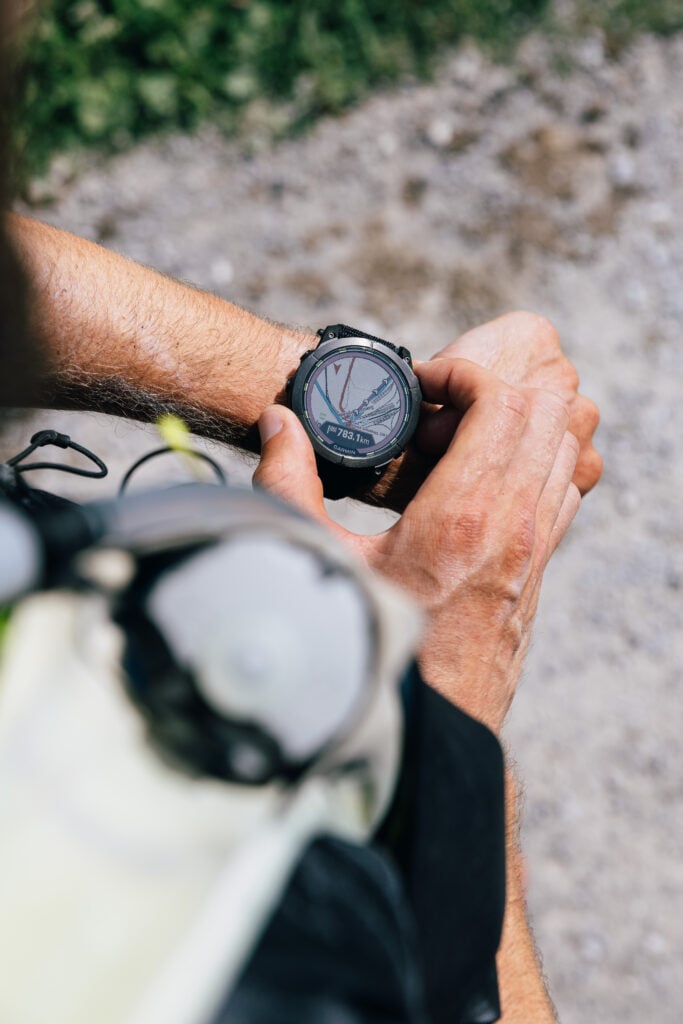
{"points": [[342, 331]]}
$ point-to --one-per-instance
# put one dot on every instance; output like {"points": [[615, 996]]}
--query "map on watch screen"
{"points": [[355, 402]]}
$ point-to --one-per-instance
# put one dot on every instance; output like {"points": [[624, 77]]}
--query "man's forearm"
{"points": [[120, 337], [523, 992]]}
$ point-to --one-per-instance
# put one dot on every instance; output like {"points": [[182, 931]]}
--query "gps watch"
{"points": [[359, 402]]}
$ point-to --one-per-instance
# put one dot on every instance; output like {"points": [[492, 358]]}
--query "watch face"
{"points": [[356, 402]]}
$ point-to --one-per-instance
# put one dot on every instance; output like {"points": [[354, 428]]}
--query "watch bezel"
{"points": [[337, 345]]}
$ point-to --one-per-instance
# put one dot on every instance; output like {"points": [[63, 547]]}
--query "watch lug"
{"points": [[405, 354], [329, 333]]}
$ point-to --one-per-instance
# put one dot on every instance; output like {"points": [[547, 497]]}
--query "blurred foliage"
{"points": [[107, 71], [104, 72], [621, 20]]}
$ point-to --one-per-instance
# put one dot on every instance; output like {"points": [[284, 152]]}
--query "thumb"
{"points": [[287, 468]]}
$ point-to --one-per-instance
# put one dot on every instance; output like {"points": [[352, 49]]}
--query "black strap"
{"points": [[342, 331], [343, 482]]}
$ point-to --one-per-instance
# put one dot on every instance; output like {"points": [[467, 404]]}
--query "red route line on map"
{"points": [[342, 407]]}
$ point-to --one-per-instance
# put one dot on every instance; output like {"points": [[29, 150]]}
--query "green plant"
{"points": [[103, 72], [621, 20], [106, 71]]}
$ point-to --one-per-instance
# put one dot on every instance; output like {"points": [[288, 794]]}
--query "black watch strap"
{"points": [[342, 331], [342, 482]]}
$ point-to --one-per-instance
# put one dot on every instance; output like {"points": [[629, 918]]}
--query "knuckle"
{"points": [[589, 470], [552, 405], [571, 376], [592, 414], [515, 401], [525, 322]]}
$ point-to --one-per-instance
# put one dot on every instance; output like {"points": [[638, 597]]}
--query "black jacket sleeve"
{"points": [[451, 849], [403, 931]]}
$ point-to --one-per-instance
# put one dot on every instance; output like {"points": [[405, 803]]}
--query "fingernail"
{"points": [[270, 424]]}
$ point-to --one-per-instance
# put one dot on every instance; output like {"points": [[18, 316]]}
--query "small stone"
{"points": [[622, 170], [467, 66], [440, 132], [445, 133], [590, 53]]}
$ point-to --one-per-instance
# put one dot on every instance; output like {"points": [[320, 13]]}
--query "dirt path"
{"points": [[417, 215]]}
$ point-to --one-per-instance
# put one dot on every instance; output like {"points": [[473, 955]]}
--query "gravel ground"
{"points": [[554, 185]]}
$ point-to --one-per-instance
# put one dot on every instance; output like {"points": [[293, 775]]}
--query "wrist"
{"points": [[276, 351], [514, 860], [251, 362], [472, 665]]}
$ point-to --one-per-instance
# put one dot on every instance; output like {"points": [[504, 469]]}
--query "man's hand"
{"points": [[522, 349], [472, 545]]}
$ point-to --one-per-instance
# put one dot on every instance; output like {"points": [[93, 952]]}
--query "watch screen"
{"points": [[355, 401]]}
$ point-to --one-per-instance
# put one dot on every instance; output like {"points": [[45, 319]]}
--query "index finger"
{"points": [[494, 418], [456, 382]]}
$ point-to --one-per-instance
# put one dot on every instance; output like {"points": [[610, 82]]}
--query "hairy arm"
{"points": [[122, 338], [523, 993], [119, 337]]}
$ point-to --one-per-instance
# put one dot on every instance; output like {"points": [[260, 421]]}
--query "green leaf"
{"points": [[159, 94]]}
